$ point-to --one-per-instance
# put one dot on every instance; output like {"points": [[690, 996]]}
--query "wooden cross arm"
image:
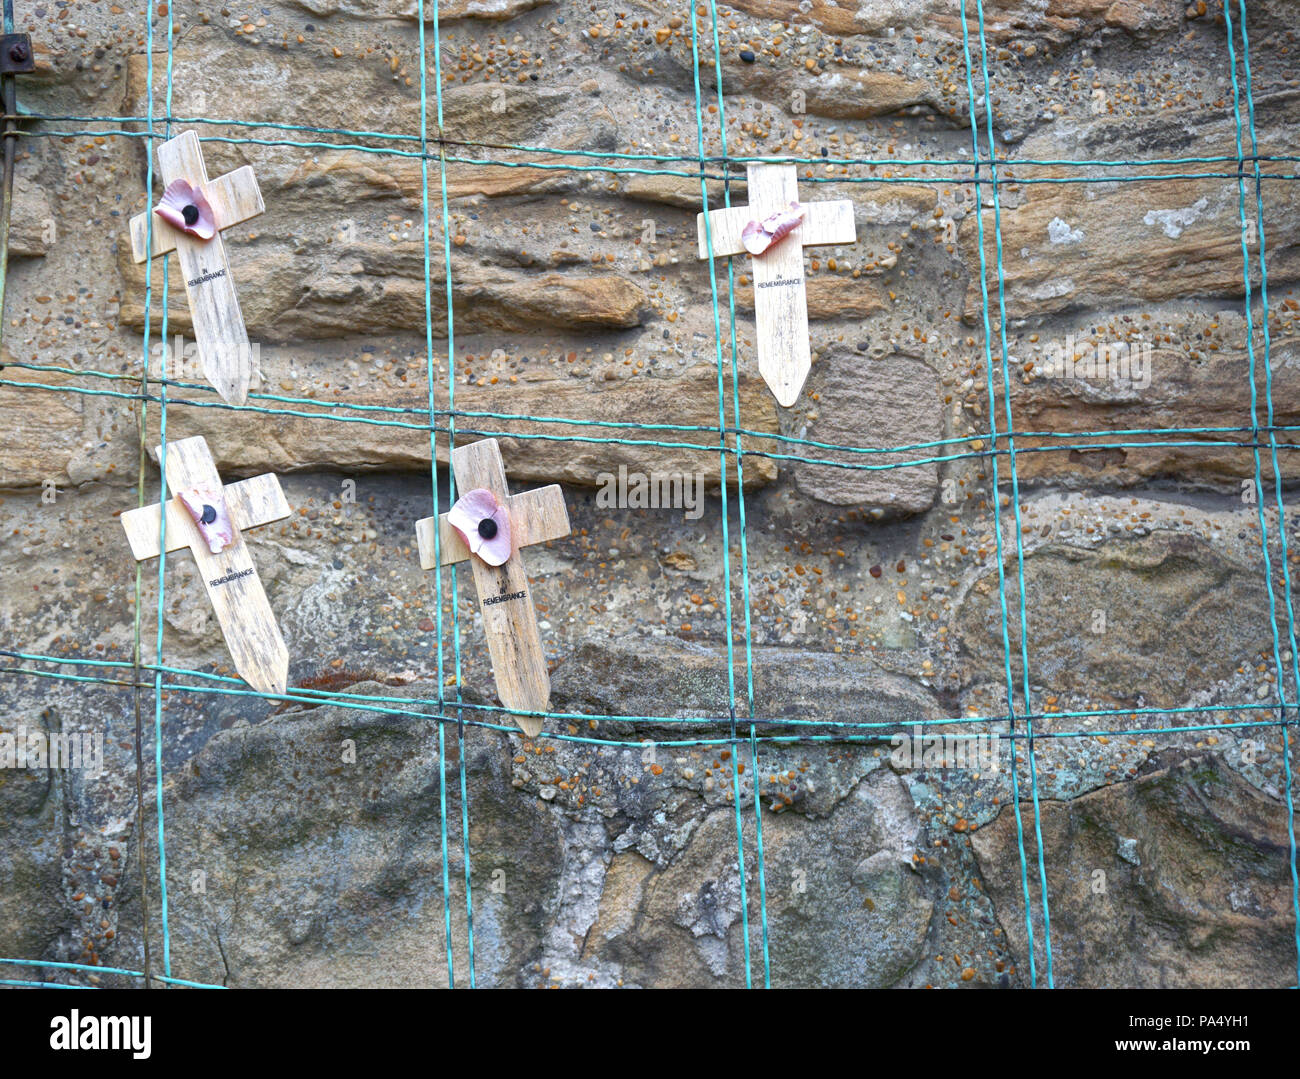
{"points": [[234, 197], [535, 517], [823, 223], [251, 502]]}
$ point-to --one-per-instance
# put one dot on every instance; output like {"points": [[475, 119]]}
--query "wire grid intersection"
{"points": [[746, 727]]}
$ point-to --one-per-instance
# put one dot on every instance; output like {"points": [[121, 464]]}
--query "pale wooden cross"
{"points": [[219, 328], [230, 577], [780, 306], [509, 620]]}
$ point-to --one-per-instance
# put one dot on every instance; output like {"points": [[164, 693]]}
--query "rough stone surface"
{"points": [[1209, 391], [623, 677], [845, 901], [33, 229], [257, 812], [1167, 237], [873, 405], [31, 857], [567, 312], [1178, 879], [1133, 619]]}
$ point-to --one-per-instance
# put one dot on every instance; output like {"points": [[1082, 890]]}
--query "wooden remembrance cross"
{"points": [[230, 577], [509, 620], [780, 306], [219, 328]]}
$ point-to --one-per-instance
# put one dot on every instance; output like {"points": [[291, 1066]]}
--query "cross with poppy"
{"points": [[195, 206], [205, 514], [509, 619], [780, 305]]}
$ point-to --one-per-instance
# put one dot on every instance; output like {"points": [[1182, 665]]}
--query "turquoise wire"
{"points": [[162, 533], [740, 496], [768, 436], [869, 162], [319, 697], [89, 968], [997, 500], [1254, 415], [451, 487], [623, 155], [162, 517], [433, 466], [878, 730], [1015, 505], [137, 613], [739, 451], [1088, 437], [773, 436], [722, 490]]}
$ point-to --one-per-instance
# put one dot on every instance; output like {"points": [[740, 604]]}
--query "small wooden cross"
{"points": [[219, 328], [780, 306], [509, 620], [230, 576]]}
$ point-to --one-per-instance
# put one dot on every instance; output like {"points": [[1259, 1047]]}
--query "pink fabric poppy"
{"points": [[759, 236], [484, 525], [207, 507], [185, 208]]}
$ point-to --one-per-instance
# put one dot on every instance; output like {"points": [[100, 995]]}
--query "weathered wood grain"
{"points": [[780, 302], [234, 198], [219, 329], [824, 223], [252, 502], [505, 598], [230, 577], [535, 517]]}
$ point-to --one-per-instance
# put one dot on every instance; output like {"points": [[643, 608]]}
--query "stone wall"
{"points": [[876, 594]]}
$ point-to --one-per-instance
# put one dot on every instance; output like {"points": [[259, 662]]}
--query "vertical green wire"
{"points": [[140, 494], [451, 476], [433, 458], [1272, 434], [162, 503], [1015, 499], [740, 496], [722, 487], [997, 501]]}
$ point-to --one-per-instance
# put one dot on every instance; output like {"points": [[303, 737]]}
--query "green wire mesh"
{"points": [[746, 725]]}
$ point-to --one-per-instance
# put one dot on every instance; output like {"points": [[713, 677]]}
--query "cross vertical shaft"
{"points": [[780, 301]]}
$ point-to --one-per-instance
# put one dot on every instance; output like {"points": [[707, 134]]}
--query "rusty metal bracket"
{"points": [[16, 56]]}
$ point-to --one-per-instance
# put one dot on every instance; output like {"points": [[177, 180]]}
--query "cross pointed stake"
{"points": [[780, 305], [230, 577], [219, 328], [509, 620]]}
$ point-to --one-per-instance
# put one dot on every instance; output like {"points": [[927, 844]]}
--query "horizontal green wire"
{"points": [[627, 156], [696, 167], [105, 970], [367, 702], [691, 175], [1087, 442]]}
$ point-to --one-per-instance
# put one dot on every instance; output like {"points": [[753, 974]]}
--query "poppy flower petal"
{"points": [[181, 197], [484, 525], [471, 508], [207, 507], [761, 236], [496, 549], [171, 215]]}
